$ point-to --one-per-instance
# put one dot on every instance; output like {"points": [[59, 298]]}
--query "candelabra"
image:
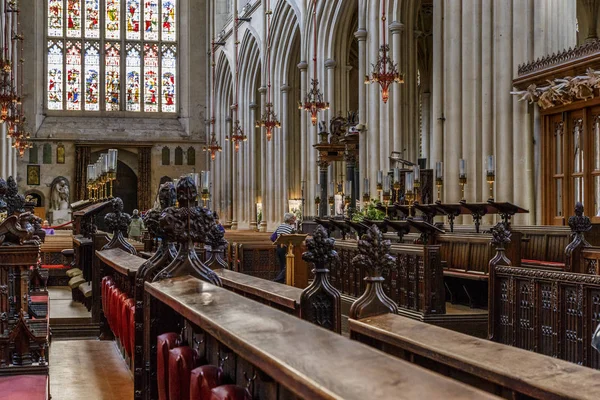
{"points": [[213, 147], [410, 199], [491, 175], [439, 182], [462, 181], [205, 196], [386, 201]]}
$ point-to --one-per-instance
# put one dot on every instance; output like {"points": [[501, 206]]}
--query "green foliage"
{"points": [[369, 212]]}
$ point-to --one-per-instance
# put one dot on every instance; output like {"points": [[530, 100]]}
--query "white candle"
{"points": [[462, 171], [491, 167], [386, 184], [417, 173], [379, 177], [439, 170], [366, 186], [112, 159], [91, 172], [196, 178], [409, 181], [396, 175], [205, 180]]}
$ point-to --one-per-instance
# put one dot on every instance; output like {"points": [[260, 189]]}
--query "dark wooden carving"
{"points": [[144, 177], [579, 224], [15, 201], [83, 156], [374, 256], [118, 222], [320, 302], [187, 225]]}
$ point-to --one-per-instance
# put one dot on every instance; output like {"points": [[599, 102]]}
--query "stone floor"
{"points": [[88, 370], [62, 307]]}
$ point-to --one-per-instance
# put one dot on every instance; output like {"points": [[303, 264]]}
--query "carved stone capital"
{"points": [[396, 27], [262, 90], [303, 66], [330, 63], [360, 35], [285, 88]]}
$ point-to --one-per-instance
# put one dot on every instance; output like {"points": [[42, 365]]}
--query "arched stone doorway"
{"points": [[125, 186]]}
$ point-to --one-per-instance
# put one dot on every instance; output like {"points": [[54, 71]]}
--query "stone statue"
{"points": [[59, 211], [59, 196]]}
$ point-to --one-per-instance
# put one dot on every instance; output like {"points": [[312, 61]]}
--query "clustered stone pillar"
{"points": [[323, 179]]}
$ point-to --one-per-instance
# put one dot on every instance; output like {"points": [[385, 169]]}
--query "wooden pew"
{"points": [[278, 356], [503, 370]]}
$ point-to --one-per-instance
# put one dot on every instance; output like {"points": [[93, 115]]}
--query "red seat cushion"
{"points": [[542, 263], [164, 343], [203, 380], [119, 314], [55, 266], [24, 387], [181, 363], [124, 324], [230, 392], [39, 299]]}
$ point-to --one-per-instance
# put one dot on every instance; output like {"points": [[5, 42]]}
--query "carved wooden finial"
{"points": [[320, 302], [117, 222], [579, 223], [500, 235], [14, 201], [374, 257], [320, 249]]}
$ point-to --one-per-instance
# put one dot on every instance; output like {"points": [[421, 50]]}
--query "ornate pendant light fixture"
{"points": [[314, 103], [385, 71], [237, 133], [213, 146], [269, 119]]}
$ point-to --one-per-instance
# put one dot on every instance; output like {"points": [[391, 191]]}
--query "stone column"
{"points": [[304, 140], [251, 184], [437, 106], [324, 182], [265, 173], [361, 36], [374, 99], [3, 153], [591, 11], [426, 127], [284, 140], [398, 143], [330, 66]]}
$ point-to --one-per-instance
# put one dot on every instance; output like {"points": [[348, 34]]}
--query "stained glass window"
{"points": [[113, 17], [169, 71], [133, 65], [55, 18], [168, 21], [151, 92], [151, 19], [55, 75], [133, 19], [92, 77], [112, 76], [74, 18], [91, 43], [92, 19], [74, 76]]}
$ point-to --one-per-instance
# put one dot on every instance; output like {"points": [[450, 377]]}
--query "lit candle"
{"points": [[491, 165], [417, 173], [396, 175], [409, 181], [205, 180], [386, 184], [91, 172], [462, 170], [439, 170], [104, 163], [379, 177], [366, 186], [112, 159]]}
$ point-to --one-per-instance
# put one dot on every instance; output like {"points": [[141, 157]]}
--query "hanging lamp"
{"points": [[385, 71], [237, 133], [268, 119], [213, 146], [314, 102]]}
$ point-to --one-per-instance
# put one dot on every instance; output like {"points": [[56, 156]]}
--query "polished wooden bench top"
{"points": [[312, 362], [287, 296], [537, 375], [80, 240], [121, 261]]}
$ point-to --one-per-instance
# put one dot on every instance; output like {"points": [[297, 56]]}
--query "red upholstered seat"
{"points": [[119, 317], [55, 266], [106, 283], [181, 364], [24, 387], [124, 324], [203, 380], [39, 299], [164, 343], [230, 392]]}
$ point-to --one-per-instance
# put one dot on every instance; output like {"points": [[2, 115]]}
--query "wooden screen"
{"points": [[571, 162]]}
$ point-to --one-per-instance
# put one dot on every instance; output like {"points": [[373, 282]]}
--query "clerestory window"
{"points": [[112, 55]]}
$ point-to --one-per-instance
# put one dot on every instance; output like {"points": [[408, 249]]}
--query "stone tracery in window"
{"points": [[112, 55]]}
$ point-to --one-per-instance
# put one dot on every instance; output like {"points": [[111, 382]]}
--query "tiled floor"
{"points": [[61, 305], [88, 370]]}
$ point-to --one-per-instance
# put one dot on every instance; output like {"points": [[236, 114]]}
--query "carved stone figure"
{"points": [[59, 196]]}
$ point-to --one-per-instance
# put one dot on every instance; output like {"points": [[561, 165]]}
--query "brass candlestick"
{"points": [[112, 176], [365, 200], [317, 201], [491, 177], [379, 190], [331, 204], [205, 196], [439, 182], [397, 190], [386, 200], [417, 185], [346, 203], [410, 198], [462, 181]]}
